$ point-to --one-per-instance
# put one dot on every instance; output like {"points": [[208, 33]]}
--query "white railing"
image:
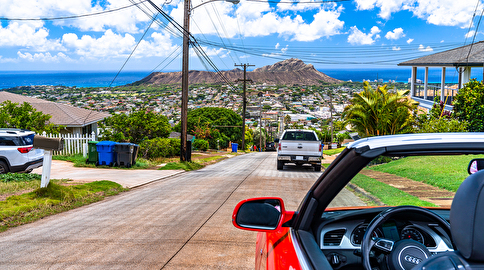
{"points": [[73, 143]]}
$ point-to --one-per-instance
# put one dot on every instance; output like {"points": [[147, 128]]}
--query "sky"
{"points": [[103, 34]]}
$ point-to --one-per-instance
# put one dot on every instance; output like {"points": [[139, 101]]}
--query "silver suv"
{"points": [[16, 151]]}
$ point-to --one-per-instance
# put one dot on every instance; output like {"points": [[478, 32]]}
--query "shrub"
{"points": [[159, 147], [200, 144]]}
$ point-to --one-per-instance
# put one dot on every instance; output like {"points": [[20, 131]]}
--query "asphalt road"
{"points": [[181, 222]]}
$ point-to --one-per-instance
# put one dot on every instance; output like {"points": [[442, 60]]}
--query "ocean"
{"points": [[10, 79]]}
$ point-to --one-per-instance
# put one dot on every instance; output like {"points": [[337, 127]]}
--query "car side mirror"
{"points": [[475, 165], [276, 140], [259, 214]]}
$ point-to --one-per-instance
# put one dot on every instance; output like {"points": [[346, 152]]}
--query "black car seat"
{"points": [[467, 227]]}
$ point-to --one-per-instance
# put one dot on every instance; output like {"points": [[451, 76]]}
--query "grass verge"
{"points": [[187, 166], [11, 183], [446, 172], [387, 194], [331, 152], [55, 198]]}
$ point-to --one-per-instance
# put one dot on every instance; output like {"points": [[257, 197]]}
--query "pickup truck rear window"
{"points": [[299, 136]]}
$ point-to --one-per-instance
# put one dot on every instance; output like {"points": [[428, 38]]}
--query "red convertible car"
{"points": [[372, 235]]}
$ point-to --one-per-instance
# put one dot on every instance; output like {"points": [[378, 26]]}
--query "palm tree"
{"points": [[380, 112]]}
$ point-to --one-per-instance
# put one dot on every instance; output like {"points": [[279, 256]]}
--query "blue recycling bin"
{"points": [[234, 147], [105, 150]]}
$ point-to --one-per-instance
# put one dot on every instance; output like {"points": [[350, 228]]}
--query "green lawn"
{"points": [[331, 152], [387, 194], [446, 172], [57, 197]]}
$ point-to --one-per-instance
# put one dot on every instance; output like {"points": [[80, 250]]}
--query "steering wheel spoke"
{"points": [[383, 244]]}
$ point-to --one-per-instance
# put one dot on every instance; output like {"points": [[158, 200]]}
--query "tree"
{"points": [[224, 125], [381, 112], [135, 127], [469, 105], [287, 119], [257, 138], [24, 116], [439, 120]]}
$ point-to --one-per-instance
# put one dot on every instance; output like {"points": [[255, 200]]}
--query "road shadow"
{"points": [[298, 168]]}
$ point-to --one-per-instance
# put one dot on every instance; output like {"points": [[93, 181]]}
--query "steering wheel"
{"points": [[402, 254]]}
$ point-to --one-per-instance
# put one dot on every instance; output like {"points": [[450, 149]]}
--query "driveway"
{"points": [[126, 177], [179, 223]]}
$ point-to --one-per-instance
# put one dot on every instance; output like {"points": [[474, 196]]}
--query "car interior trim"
{"points": [[300, 255]]}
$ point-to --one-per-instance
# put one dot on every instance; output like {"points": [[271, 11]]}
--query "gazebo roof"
{"points": [[469, 55]]}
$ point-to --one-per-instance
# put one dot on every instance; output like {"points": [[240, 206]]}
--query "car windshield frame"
{"points": [[360, 153]]}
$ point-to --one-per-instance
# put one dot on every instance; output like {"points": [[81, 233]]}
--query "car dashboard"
{"points": [[340, 233]]}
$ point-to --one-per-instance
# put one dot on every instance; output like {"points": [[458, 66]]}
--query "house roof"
{"points": [[469, 55], [62, 114]]}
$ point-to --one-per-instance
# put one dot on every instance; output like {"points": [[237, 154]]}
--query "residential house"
{"points": [[76, 120]]}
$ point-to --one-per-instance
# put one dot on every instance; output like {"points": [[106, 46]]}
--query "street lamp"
{"points": [[186, 47]]}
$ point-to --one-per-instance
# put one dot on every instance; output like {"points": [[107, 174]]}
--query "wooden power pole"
{"points": [[244, 102]]}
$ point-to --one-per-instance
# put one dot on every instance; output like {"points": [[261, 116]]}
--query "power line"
{"points": [[70, 17], [134, 49], [298, 2]]}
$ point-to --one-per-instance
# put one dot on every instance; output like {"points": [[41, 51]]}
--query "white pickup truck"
{"points": [[299, 147]]}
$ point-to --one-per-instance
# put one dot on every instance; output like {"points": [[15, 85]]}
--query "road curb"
{"points": [[365, 194]]}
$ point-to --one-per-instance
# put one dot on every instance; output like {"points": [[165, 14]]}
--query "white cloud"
{"points": [[422, 48], [43, 57], [259, 19], [410, 40], [112, 45], [437, 12], [282, 52], [395, 48], [124, 20], [277, 46], [470, 34], [397, 33], [357, 37], [28, 35]]}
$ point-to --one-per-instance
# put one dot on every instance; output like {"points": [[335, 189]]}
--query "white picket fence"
{"points": [[73, 143]]}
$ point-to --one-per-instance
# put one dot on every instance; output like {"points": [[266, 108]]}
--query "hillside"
{"points": [[288, 72]]}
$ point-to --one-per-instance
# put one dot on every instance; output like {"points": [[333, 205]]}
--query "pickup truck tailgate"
{"points": [[300, 148]]}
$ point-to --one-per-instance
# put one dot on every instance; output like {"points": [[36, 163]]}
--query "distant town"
{"points": [[301, 103]]}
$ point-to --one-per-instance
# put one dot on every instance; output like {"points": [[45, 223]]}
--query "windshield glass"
{"points": [[299, 136], [427, 181]]}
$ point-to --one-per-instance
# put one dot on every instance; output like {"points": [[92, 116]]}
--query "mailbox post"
{"points": [[49, 145]]}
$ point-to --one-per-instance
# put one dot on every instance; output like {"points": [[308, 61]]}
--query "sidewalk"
{"points": [[425, 192], [124, 177]]}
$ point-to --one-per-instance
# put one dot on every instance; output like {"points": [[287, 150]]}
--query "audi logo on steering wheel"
{"points": [[412, 259]]}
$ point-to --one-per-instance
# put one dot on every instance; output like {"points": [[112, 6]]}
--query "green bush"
{"points": [[159, 147], [200, 144]]}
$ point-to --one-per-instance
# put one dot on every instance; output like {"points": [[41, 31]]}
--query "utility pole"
{"points": [[331, 111], [244, 102], [184, 100]]}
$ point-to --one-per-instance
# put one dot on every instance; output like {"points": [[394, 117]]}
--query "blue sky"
{"points": [[341, 34]]}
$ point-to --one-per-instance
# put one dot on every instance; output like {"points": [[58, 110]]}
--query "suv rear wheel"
{"points": [[3, 167]]}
